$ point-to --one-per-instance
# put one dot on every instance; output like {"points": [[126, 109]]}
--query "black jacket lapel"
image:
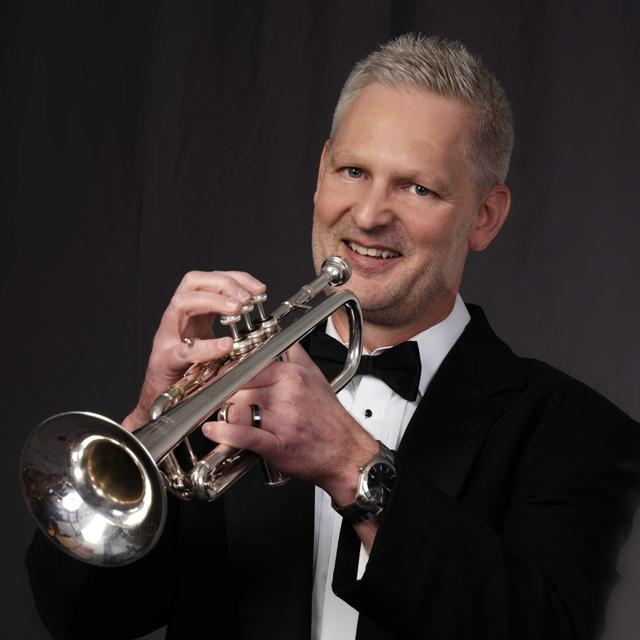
{"points": [[461, 403]]}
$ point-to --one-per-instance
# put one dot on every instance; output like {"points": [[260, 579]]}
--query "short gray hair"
{"points": [[447, 68]]}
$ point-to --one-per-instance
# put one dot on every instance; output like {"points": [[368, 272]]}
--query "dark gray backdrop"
{"points": [[144, 139]]}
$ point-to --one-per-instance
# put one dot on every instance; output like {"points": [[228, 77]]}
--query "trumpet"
{"points": [[99, 492]]}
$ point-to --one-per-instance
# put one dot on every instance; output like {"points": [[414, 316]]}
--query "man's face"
{"points": [[393, 184]]}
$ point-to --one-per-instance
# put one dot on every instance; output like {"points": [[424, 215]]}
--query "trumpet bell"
{"points": [[93, 488]]}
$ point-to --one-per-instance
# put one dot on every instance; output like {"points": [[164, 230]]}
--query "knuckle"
{"points": [[295, 375], [188, 279], [222, 276], [225, 283], [253, 282], [179, 302]]}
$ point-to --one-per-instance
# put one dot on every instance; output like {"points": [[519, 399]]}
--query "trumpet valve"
{"points": [[241, 345], [270, 327], [258, 301], [246, 314], [231, 321], [256, 337]]}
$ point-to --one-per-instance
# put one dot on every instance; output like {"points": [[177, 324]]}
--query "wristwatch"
{"points": [[377, 478]]}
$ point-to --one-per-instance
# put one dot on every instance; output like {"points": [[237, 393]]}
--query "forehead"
{"points": [[405, 127]]}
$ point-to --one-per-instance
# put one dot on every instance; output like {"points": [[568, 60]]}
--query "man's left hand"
{"points": [[306, 433]]}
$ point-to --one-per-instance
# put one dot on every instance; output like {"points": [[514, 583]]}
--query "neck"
{"points": [[375, 336]]}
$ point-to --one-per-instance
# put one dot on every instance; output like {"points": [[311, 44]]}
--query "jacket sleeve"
{"points": [[544, 569]]}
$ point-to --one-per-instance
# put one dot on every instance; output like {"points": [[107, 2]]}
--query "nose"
{"points": [[373, 208]]}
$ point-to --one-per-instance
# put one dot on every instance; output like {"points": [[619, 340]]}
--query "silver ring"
{"points": [[256, 415], [222, 412]]}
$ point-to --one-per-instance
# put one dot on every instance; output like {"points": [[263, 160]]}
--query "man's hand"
{"points": [[306, 433], [198, 299]]}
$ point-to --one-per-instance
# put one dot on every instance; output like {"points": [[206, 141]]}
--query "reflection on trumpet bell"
{"points": [[93, 488], [98, 491]]}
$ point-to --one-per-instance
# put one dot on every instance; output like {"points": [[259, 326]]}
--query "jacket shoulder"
{"points": [[548, 404]]}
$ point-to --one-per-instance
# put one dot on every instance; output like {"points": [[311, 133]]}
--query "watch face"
{"points": [[380, 481]]}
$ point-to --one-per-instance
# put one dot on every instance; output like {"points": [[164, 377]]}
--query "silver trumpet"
{"points": [[99, 492]]}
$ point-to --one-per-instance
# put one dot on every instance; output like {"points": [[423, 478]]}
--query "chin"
{"points": [[378, 308]]}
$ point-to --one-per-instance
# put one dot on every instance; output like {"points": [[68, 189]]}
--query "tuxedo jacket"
{"points": [[516, 486]]}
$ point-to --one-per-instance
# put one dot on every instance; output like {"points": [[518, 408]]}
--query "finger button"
{"points": [[231, 321]]}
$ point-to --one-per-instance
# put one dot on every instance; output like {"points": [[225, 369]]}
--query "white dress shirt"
{"points": [[385, 415]]}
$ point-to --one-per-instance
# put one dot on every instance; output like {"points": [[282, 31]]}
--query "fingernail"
{"points": [[226, 344], [206, 429], [244, 295], [232, 303]]}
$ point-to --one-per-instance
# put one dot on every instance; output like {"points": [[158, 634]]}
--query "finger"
{"points": [[240, 436], [250, 283], [183, 355], [297, 355], [195, 303], [239, 413], [269, 376], [231, 283]]}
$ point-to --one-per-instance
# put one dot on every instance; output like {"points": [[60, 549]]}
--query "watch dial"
{"points": [[380, 482]]}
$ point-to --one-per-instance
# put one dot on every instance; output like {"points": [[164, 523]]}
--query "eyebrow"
{"points": [[337, 153]]}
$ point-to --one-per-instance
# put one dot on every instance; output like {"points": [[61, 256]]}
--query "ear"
{"points": [[492, 213], [321, 169]]}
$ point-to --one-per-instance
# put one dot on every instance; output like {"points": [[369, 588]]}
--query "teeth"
{"points": [[374, 253]]}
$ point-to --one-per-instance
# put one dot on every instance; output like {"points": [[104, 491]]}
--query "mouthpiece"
{"points": [[337, 269]]}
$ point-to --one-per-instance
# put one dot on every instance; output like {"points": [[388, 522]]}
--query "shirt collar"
{"points": [[434, 343]]}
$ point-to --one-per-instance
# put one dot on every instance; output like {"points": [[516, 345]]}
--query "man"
{"points": [[506, 487]]}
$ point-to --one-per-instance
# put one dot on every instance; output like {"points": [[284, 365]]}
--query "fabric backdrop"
{"points": [[144, 139]]}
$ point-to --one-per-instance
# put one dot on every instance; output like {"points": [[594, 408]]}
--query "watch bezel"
{"points": [[364, 493], [367, 482], [366, 506]]}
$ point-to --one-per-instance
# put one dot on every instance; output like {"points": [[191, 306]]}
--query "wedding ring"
{"points": [[222, 412], [256, 415]]}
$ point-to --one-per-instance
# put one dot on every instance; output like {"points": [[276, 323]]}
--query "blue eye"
{"points": [[354, 172], [420, 190]]}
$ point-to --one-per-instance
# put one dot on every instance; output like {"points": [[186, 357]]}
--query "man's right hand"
{"points": [[198, 299]]}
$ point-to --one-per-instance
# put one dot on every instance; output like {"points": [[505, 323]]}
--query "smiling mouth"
{"points": [[371, 252]]}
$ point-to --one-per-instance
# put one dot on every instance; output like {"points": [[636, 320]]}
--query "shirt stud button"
{"points": [[368, 413]]}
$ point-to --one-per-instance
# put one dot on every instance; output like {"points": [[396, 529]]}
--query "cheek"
{"points": [[440, 229], [328, 209], [429, 234], [322, 235]]}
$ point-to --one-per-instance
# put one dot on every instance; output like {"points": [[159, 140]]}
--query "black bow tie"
{"points": [[398, 367]]}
